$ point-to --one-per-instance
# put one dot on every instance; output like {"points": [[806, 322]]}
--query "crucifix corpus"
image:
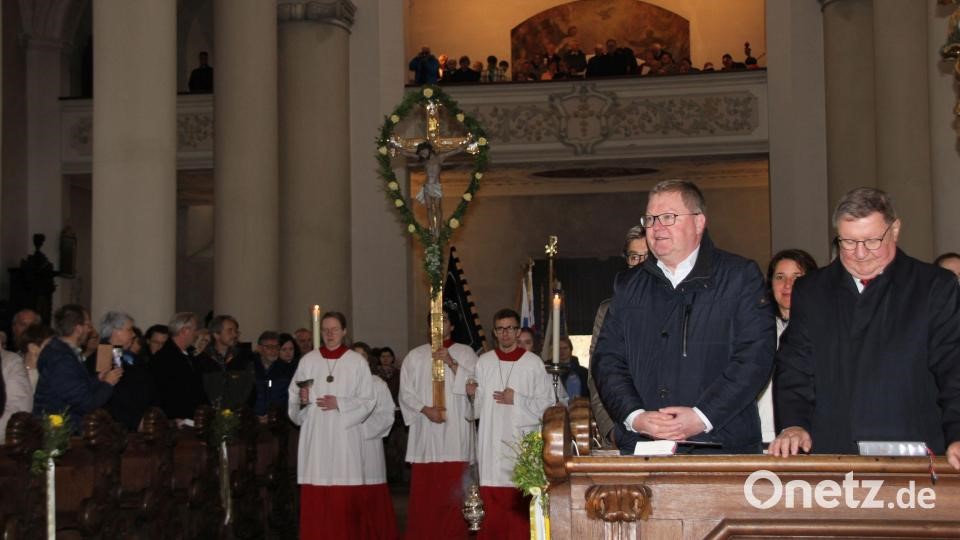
{"points": [[431, 150]]}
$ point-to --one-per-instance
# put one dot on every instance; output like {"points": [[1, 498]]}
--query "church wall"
{"points": [[13, 227], [479, 29], [80, 200], [500, 233], [194, 34]]}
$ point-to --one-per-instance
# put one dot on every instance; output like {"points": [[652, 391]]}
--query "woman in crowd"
{"points": [[784, 270], [201, 341], [289, 352], [32, 342]]}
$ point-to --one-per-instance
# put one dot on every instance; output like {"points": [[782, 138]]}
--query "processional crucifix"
{"points": [[432, 150]]}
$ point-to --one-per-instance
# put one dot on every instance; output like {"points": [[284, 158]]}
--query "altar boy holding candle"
{"points": [[330, 410], [511, 393]]}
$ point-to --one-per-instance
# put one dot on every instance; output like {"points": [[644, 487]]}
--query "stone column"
{"points": [[903, 118], [850, 102], [799, 210], [134, 158], [245, 164], [314, 157], [45, 192], [380, 244]]}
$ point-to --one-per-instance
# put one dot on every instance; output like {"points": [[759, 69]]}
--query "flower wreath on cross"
{"points": [[433, 247]]}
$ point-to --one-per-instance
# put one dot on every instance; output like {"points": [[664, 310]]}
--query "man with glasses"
{"points": [[228, 369], [634, 252], [688, 341], [871, 353], [511, 392]]}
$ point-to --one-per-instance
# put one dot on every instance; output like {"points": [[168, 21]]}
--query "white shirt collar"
{"points": [[683, 269], [859, 283]]}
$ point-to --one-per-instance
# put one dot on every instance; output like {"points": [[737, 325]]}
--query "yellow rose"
{"points": [[411, 228], [482, 141], [382, 150], [454, 223], [535, 491], [460, 117], [478, 175], [467, 197], [427, 92], [398, 203], [227, 413], [393, 186], [56, 420], [394, 118]]}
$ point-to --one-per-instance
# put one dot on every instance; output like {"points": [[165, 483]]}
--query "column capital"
{"points": [[337, 12]]}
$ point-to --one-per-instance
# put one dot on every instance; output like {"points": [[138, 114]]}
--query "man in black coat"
{"points": [[176, 371], [688, 341], [872, 352]]}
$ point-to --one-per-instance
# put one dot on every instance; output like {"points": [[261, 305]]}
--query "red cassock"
{"points": [[362, 512], [507, 514], [436, 501]]}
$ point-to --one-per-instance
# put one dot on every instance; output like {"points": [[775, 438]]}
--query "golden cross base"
{"points": [[436, 343]]}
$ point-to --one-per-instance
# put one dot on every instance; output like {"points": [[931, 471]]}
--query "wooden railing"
{"points": [[600, 494]]}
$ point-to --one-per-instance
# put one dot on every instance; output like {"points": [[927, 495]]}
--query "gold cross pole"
{"points": [[432, 151]]}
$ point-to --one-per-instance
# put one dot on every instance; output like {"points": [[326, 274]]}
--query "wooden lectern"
{"points": [[599, 494]]}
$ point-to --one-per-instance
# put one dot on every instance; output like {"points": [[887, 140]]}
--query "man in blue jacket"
{"points": [[688, 341], [64, 382]]}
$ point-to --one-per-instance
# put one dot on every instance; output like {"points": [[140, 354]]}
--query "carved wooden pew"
{"points": [[599, 494], [21, 493], [159, 483], [146, 474], [88, 481]]}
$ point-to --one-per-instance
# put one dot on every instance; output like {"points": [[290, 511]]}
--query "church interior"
{"points": [[260, 197]]}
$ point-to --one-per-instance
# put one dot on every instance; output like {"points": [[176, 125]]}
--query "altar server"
{"points": [[331, 394], [439, 447], [512, 392]]}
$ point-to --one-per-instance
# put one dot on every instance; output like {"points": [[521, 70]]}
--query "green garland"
{"points": [[528, 473], [433, 247], [224, 426], [56, 440]]}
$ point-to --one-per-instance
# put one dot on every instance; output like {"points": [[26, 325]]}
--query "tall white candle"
{"points": [[556, 328], [316, 327], [51, 500]]}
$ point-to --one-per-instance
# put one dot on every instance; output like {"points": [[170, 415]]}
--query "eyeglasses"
{"points": [[871, 244], [635, 258], [665, 219], [505, 329]]}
